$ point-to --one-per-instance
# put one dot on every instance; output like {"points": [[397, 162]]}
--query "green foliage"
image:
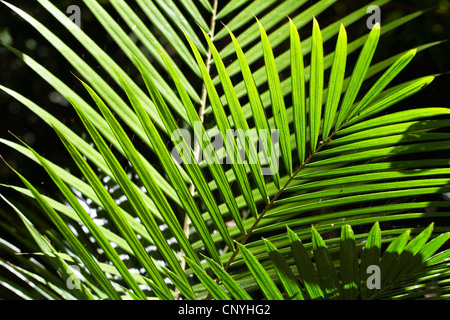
{"points": [[346, 163]]}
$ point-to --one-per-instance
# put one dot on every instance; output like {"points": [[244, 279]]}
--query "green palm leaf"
{"points": [[355, 175]]}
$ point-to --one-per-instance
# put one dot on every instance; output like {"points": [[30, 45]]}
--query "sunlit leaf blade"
{"points": [[168, 32], [223, 126], [396, 117], [349, 264], [92, 226], [45, 246], [392, 96], [77, 246], [316, 85], [191, 166], [207, 6], [325, 268], [384, 80], [391, 255], [117, 216], [152, 44], [358, 75], [430, 248], [298, 92], [288, 280], [258, 112], [243, 16], [230, 7], [370, 256], [278, 105], [261, 276], [129, 48], [95, 80], [213, 288], [276, 36], [181, 22], [181, 284], [305, 268], [100, 123], [133, 196], [233, 287], [241, 125], [406, 257], [335, 83], [212, 160], [190, 7], [148, 181]]}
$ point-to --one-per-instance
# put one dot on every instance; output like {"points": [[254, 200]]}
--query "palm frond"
{"points": [[332, 159]]}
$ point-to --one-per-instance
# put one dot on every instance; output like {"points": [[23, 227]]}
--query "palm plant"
{"points": [[217, 229]]}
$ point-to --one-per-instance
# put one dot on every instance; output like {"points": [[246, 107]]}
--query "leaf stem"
{"points": [[271, 203]]}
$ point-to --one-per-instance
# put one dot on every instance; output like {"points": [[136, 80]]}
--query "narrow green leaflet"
{"points": [[189, 163], [325, 268], [241, 18], [212, 287], [92, 226], [214, 163], [384, 152], [284, 272], [393, 118], [150, 41], [223, 125], [195, 14], [77, 246], [384, 80], [145, 215], [278, 106], [181, 22], [316, 85], [349, 264], [117, 217], [298, 92], [358, 75], [167, 31], [370, 257], [99, 122], [261, 276], [96, 81], [305, 267], [240, 122], [233, 287], [420, 126], [128, 46], [258, 112], [391, 96], [230, 7], [403, 263], [336, 82], [423, 257], [391, 255], [181, 284], [147, 179], [59, 264]]}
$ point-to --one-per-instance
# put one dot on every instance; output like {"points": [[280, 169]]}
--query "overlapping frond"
{"points": [[336, 160]]}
